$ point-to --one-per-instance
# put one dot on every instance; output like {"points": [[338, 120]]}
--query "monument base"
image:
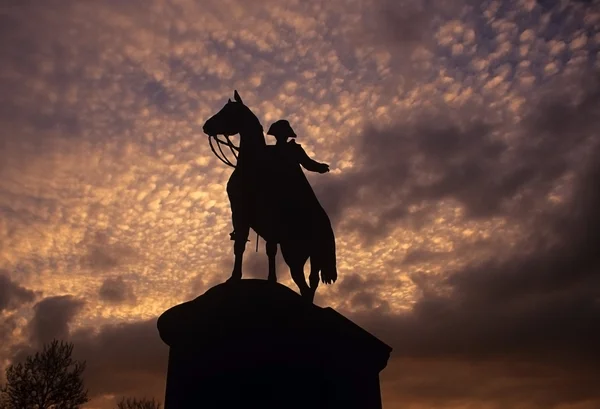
{"points": [[257, 344]]}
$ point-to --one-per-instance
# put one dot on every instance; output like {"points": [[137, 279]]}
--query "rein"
{"points": [[223, 158], [221, 155]]}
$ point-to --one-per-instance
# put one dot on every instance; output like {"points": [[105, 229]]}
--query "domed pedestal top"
{"points": [[240, 335], [251, 308]]}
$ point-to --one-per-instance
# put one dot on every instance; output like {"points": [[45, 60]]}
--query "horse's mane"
{"points": [[254, 128], [252, 120]]}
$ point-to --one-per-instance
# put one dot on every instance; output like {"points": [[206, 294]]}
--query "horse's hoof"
{"points": [[308, 296]]}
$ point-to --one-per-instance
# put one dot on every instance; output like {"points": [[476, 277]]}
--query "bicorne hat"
{"points": [[281, 128]]}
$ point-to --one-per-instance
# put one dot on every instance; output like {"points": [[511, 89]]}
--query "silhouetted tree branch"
{"points": [[3, 399], [50, 379], [133, 403]]}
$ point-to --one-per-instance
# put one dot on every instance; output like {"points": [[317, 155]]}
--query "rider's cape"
{"points": [[299, 209], [289, 207], [293, 193]]}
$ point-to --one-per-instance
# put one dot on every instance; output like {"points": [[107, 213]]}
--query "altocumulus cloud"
{"points": [[461, 137]]}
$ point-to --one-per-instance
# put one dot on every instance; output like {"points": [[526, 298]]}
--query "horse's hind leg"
{"points": [[297, 272], [314, 275], [295, 257], [272, 253]]}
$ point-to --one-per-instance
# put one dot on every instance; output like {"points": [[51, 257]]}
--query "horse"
{"points": [[255, 204]]}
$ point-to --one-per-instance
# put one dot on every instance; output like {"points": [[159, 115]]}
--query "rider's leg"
{"points": [[271, 253]]}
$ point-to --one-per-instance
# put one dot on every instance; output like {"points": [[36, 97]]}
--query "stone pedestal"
{"points": [[255, 344]]}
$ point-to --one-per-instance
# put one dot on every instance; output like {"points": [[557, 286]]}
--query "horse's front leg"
{"points": [[239, 246], [240, 220], [271, 254], [241, 230]]}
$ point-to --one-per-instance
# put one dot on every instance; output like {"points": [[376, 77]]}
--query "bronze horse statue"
{"points": [[296, 222]]}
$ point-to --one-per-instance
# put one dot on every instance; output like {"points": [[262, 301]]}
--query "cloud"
{"points": [[12, 298], [454, 163], [126, 359], [531, 318], [405, 23], [116, 290], [7, 326], [52, 317], [456, 150], [12, 295], [105, 256], [435, 158]]}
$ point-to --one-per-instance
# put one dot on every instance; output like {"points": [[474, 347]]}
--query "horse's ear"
{"points": [[237, 97], [229, 100]]}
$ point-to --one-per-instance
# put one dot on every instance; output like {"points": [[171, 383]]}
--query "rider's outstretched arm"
{"points": [[308, 163]]}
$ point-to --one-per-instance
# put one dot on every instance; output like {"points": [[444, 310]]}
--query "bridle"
{"points": [[221, 155], [223, 158]]}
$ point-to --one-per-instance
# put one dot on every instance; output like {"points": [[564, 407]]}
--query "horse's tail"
{"points": [[327, 256], [329, 272]]}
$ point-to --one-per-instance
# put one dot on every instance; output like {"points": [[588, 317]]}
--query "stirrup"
{"points": [[232, 236]]}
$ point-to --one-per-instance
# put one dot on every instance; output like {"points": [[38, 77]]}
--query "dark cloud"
{"points": [[12, 295], [505, 331], [434, 158], [123, 360], [415, 256], [533, 318], [404, 25], [354, 282], [407, 31], [460, 163], [7, 325], [52, 317], [127, 359], [45, 57], [116, 290], [549, 5], [31, 39], [359, 293], [105, 256]]}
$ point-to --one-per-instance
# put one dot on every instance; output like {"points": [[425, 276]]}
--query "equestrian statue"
{"points": [[269, 193]]}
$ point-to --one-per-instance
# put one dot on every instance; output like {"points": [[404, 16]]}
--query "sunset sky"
{"points": [[463, 140]]}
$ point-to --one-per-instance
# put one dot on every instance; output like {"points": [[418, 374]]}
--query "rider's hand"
{"points": [[324, 168]]}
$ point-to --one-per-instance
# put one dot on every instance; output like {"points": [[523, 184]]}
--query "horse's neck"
{"points": [[252, 144]]}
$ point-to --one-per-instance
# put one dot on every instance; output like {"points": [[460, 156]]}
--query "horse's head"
{"points": [[230, 120]]}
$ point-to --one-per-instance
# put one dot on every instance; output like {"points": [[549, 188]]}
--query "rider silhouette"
{"points": [[291, 152], [298, 208], [296, 196]]}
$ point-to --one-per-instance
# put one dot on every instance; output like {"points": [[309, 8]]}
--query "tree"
{"points": [[133, 403], [3, 399], [50, 379]]}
